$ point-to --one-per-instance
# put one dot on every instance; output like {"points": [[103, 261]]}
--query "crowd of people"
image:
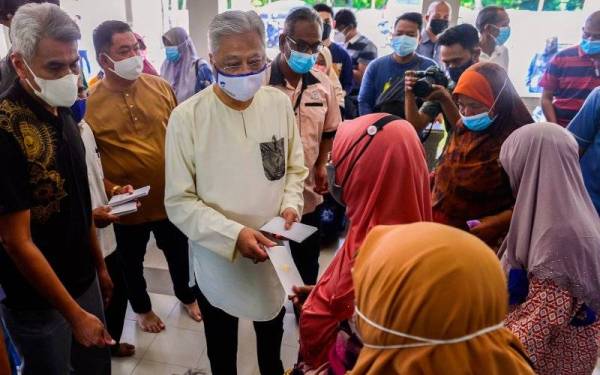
{"points": [[487, 263]]}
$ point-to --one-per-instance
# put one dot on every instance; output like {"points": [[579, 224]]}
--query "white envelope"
{"points": [[124, 209], [298, 233], [281, 257], [127, 197]]}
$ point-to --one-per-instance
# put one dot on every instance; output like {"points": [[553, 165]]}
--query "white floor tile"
{"points": [[132, 334], [178, 317], [177, 346], [147, 367], [123, 366], [162, 305]]}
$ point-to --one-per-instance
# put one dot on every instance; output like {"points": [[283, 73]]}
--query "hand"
{"points": [[409, 81], [321, 186], [251, 244], [291, 216], [127, 189], [106, 286], [439, 94], [301, 294], [102, 217], [89, 331], [493, 227]]}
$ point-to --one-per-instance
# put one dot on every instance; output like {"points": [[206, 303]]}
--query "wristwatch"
{"points": [[115, 189]]}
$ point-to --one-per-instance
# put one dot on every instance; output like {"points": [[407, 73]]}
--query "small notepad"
{"points": [[297, 233]]}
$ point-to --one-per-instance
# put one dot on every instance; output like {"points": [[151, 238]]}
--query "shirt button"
{"points": [[126, 94], [131, 106], [135, 119]]}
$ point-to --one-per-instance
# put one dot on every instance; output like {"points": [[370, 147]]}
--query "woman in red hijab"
{"points": [[379, 172]]}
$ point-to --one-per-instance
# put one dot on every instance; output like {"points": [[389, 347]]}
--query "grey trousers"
{"points": [[45, 341]]}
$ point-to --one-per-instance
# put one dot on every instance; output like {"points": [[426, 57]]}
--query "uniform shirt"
{"points": [[106, 235], [226, 170], [498, 56], [586, 128], [44, 171], [361, 51], [130, 128], [428, 48], [317, 114], [571, 76], [380, 74]]}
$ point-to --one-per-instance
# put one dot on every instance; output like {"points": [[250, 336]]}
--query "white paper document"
{"points": [[286, 270], [298, 233], [124, 209], [129, 197]]}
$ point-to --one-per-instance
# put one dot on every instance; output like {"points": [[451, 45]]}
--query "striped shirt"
{"points": [[571, 76]]}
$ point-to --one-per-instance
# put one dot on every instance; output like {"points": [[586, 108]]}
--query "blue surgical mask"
{"points": [[503, 35], [172, 53], [301, 62], [590, 47], [78, 110], [404, 45], [482, 121]]}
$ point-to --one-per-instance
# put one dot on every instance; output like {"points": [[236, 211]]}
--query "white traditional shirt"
{"points": [[499, 56], [226, 170], [106, 236]]}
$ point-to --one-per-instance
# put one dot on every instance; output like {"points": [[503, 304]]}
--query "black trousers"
{"points": [[306, 254], [115, 312], [131, 244], [221, 331]]}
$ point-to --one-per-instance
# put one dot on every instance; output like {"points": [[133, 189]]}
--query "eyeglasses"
{"points": [[252, 66], [302, 46]]}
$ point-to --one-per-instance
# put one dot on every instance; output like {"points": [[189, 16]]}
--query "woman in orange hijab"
{"points": [[469, 184], [379, 172], [431, 299]]}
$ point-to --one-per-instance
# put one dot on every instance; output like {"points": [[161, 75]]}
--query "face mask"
{"points": [[457, 71], [503, 35], [78, 110], [437, 26], [339, 37], [172, 53], [326, 31], [404, 45], [129, 69], [301, 62], [60, 92], [590, 47], [241, 87], [482, 121], [421, 341]]}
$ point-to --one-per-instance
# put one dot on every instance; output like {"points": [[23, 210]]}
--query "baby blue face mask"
{"points": [[481, 121], [503, 35], [404, 45], [590, 47], [172, 53], [301, 63]]}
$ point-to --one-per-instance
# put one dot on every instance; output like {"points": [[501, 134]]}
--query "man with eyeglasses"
{"points": [[317, 114], [128, 113], [234, 161]]}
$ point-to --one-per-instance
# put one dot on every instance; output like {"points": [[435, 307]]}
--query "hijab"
{"points": [[469, 183], [388, 184], [555, 230], [148, 67], [432, 281], [181, 74], [333, 77]]}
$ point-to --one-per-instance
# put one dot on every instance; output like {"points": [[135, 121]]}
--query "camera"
{"points": [[432, 76]]}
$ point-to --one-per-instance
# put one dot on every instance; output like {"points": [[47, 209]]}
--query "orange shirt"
{"points": [[317, 113], [130, 128]]}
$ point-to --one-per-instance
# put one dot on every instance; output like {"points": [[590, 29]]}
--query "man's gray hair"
{"points": [[33, 22], [234, 22]]}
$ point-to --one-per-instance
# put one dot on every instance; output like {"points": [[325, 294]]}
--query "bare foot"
{"points": [[150, 322], [124, 350], [194, 311]]}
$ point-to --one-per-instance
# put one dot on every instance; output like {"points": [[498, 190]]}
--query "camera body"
{"points": [[432, 76]]}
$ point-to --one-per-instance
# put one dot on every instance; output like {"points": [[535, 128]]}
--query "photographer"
{"points": [[459, 50], [386, 72]]}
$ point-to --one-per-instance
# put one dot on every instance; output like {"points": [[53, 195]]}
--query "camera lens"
{"points": [[422, 88]]}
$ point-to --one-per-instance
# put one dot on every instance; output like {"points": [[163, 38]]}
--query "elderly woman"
{"points": [[551, 252], [431, 299], [184, 70], [234, 161], [469, 184]]}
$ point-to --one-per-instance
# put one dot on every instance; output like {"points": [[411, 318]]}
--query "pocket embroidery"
{"points": [[273, 158]]}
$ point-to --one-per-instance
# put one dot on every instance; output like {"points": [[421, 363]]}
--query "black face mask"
{"points": [[457, 71], [326, 31], [437, 26]]}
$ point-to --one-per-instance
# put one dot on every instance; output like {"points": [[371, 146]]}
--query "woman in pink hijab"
{"points": [[379, 172]]}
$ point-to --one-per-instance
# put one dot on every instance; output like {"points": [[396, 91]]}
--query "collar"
{"points": [[425, 37], [354, 39], [278, 79]]}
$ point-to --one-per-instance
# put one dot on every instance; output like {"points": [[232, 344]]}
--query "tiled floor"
{"points": [[182, 346]]}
